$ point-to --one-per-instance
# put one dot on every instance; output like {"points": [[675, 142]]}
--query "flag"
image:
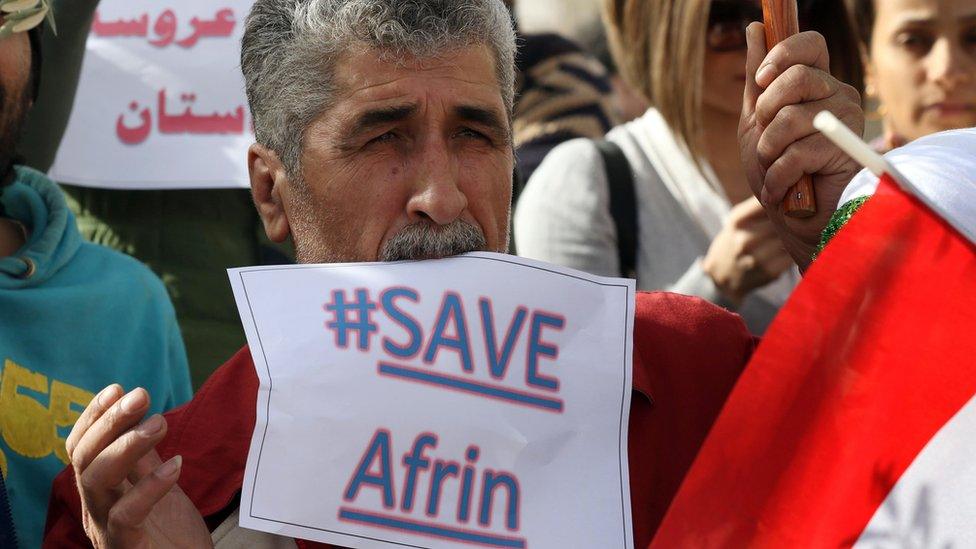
{"points": [[855, 422]]}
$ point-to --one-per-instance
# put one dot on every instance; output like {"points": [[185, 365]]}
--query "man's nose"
{"points": [[950, 65], [437, 196]]}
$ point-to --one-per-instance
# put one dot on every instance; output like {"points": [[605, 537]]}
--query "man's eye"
{"points": [[468, 132], [388, 136]]}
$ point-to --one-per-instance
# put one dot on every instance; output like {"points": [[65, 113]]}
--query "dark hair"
{"points": [[832, 19], [861, 14]]}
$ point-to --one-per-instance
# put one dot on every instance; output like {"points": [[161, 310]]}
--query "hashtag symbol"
{"points": [[360, 310]]}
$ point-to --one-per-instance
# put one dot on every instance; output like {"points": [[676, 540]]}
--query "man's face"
{"points": [[14, 95], [414, 161]]}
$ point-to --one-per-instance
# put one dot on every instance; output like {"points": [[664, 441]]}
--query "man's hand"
{"points": [[129, 497], [746, 254], [784, 90]]}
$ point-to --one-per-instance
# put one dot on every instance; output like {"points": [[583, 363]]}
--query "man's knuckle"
{"points": [[810, 82], [793, 160], [850, 92], [766, 152], [79, 461], [826, 84], [89, 481], [792, 117], [69, 446], [796, 75], [774, 176], [120, 517], [114, 414], [814, 150], [819, 41], [763, 108]]}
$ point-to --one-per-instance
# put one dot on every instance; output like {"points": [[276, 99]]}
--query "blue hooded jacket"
{"points": [[74, 318]]}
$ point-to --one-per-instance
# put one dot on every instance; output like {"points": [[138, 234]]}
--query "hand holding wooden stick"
{"points": [[781, 21]]}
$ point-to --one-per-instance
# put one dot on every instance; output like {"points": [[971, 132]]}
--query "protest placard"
{"points": [[481, 399], [160, 102]]}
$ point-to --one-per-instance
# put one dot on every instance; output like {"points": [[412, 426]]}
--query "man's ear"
{"points": [[269, 184]]}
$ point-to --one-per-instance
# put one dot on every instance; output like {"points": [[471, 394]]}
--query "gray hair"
{"points": [[291, 47]]}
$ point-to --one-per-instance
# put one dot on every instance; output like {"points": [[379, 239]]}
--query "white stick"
{"points": [[843, 137], [862, 153]]}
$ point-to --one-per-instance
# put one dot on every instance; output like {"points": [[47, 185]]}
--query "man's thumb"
{"points": [[756, 52]]}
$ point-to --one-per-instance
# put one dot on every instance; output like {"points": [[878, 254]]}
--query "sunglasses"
{"points": [[727, 22], [728, 19]]}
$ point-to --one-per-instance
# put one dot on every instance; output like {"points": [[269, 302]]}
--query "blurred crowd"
{"points": [[627, 163]]}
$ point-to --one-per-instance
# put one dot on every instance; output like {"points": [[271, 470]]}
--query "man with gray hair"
{"points": [[384, 133], [375, 76]]}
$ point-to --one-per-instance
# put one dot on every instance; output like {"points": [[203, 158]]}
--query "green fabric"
{"points": [[189, 238], [838, 220]]}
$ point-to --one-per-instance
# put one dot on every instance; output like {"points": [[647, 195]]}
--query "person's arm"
{"points": [[563, 215], [62, 57]]}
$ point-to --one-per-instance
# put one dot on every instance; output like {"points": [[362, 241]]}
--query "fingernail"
{"points": [[764, 72], [108, 394], [133, 401], [151, 426], [169, 469]]}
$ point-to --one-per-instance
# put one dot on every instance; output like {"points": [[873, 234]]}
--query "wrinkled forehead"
{"points": [[465, 75]]}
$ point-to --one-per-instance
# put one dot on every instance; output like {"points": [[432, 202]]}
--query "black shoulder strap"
{"points": [[623, 204]]}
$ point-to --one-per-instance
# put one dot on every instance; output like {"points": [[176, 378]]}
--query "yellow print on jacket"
{"points": [[26, 425]]}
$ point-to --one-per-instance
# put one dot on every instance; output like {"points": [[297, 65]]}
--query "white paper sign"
{"points": [[480, 400], [161, 101]]}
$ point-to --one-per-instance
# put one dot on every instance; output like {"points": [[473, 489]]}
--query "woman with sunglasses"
{"points": [[699, 229], [920, 65]]}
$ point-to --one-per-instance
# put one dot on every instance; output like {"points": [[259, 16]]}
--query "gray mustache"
{"points": [[429, 241]]}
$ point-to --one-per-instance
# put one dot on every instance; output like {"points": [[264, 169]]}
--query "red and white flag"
{"points": [[855, 422]]}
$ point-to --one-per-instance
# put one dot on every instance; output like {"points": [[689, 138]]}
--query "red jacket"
{"points": [[687, 356]]}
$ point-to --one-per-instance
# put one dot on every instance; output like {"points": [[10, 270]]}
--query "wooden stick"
{"points": [[781, 21]]}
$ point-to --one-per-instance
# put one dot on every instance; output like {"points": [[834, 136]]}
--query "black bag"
{"points": [[623, 204]]}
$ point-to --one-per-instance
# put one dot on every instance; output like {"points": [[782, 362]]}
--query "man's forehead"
{"points": [[371, 76]]}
